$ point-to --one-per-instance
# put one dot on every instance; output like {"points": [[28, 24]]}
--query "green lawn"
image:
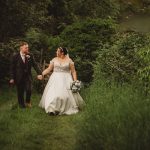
{"points": [[33, 128], [115, 118]]}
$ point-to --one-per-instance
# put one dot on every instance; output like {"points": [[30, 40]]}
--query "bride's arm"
{"points": [[48, 70], [73, 71]]}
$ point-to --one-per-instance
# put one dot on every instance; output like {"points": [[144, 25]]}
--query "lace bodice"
{"points": [[61, 67]]}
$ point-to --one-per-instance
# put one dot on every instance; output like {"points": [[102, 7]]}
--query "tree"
{"points": [[18, 15]]}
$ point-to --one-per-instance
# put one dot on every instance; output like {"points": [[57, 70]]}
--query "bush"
{"points": [[83, 39], [126, 59], [6, 52]]}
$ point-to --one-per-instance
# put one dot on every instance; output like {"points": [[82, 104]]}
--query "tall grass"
{"points": [[33, 129], [115, 118]]}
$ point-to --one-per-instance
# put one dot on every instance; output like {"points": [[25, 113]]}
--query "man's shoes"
{"points": [[28, 105]]}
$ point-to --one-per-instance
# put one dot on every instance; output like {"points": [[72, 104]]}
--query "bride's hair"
{"points": [[64, 50]]}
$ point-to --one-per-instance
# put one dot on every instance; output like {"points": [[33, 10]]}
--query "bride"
{"points": [[57, 98]]}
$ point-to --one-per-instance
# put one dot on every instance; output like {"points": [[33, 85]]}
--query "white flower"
{"points": [[78, 83], [28, 56], [75, 86]]}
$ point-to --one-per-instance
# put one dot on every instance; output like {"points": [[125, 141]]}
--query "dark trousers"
{"points": [[24, 87]]}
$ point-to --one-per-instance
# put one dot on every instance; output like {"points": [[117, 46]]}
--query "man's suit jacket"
{"points": [[20, 70]]}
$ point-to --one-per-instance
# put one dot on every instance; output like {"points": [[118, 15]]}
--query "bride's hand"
{"points": [[40, 77], [12, 81]]}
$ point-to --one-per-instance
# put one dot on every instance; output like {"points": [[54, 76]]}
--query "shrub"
{"points": [[83, 39], [127, 58]]}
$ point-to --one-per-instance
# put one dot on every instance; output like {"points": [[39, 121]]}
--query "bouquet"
{"points": [[75, 86]]}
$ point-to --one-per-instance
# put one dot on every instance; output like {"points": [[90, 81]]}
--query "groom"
{"points": [[20, 73]]}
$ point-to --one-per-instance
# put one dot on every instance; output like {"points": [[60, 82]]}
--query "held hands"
{"points": [[12, 81], [40, 77]]}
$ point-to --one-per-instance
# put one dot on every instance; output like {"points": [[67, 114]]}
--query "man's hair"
{"points": [[22, 43]]}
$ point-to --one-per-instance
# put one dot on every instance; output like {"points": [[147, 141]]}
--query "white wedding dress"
{"points": [[57, 96]]}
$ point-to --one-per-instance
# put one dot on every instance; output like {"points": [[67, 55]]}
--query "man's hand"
{"points": [[12, 81], [40, 77]]}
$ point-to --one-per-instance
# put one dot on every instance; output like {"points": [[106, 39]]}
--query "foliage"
{"points": [[132, 7], [6, 51], [121, 60], [43, 47], [18, 15], [66, 12], [50, 15], [144, 71], [39, 42], [94, 8], [83, 39], [116, 117], [76, 25]]}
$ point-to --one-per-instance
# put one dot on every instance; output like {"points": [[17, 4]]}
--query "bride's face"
{"points": [[58, 52]]}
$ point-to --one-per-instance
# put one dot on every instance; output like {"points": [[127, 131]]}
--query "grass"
{"points": [[33, 128], [115, 118]]}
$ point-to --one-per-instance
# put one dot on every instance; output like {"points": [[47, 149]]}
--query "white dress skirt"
{"points": [[57, 96]]}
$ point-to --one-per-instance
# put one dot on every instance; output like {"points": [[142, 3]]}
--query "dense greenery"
{"points": [[111, 59], [116, 117], [127, 59], [86, 31], [19, 15], [83, 39]]}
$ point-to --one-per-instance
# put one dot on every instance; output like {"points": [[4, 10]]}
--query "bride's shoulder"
{"points": [[70, 61], [53, 60]]}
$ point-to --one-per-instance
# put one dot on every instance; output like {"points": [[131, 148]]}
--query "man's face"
{"points": [[25, 49]]}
